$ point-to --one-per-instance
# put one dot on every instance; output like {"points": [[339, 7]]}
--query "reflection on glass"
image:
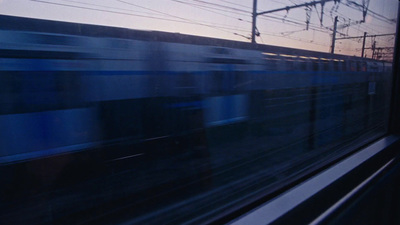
{"points": [[107, 125]]}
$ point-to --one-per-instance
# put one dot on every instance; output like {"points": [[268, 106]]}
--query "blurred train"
{"points": [[78, 99]]}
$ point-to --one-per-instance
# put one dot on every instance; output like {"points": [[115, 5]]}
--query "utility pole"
{"points": [[373, 49], [287, 8], [334, 36], [253, 28], [364, 40], [363, 47]]}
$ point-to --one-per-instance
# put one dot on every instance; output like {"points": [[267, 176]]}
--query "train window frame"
{"points": [[336, 66]]}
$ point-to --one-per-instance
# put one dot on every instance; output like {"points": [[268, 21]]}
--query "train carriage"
{"points": [[100, 100]]}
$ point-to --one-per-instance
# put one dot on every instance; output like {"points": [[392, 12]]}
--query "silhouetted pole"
{"points": [[334, 35], [364, 40], [287, 8], [363, 47], [253, 28]]}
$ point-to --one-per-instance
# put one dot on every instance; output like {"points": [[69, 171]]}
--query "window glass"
{"points": [[170, 112]]}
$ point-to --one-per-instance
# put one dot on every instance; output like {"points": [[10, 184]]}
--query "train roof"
{"points": [[70, 28]]}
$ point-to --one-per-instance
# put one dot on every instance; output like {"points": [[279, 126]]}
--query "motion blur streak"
{"points": [[97, 121]]}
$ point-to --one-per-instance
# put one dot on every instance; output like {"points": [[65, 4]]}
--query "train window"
{"points": [[289, 65], [315, 66], [181, 117], [363, 66], [186, 84], [222, 51], [359, 66], [54, 40], [241, 81], [353, 66], [272, 64], [325, 66], [303, 65], [336, 66], [343, 66], [372, 67]]}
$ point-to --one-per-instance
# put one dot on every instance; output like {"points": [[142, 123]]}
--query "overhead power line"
{"points": [[177, 19], [287, 8], [355, 5], [373, 35], [222, 6], [233, 10], [213, 10], [236, 4]]}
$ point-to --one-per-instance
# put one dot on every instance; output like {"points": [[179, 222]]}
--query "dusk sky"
{"points": [[228, 19]]}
